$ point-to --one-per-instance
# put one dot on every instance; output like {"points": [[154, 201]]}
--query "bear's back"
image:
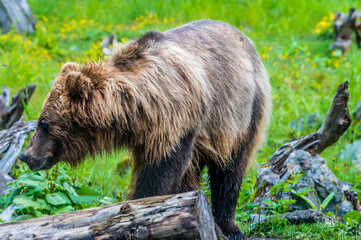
{"points": [[205, 75]]}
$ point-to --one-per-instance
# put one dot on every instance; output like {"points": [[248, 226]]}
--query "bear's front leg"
{"points": [[165, 176]]}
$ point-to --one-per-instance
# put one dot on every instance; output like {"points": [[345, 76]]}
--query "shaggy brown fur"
{"points": [[179, 100]]}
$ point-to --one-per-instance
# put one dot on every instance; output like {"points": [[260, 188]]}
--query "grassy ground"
{"points": [[303, 72]]}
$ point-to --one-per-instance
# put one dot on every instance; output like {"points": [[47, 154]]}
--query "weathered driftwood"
{"points": [[17, 13], [11, 141], [301, 156], [4, 178], [303, 216], [11, 114], [181, 216], [343, 27], [337, 121]]}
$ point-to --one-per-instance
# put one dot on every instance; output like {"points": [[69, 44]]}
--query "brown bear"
{"points": [[181, 99]]}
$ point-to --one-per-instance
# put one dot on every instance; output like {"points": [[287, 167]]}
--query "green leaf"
{"points": [[84, 199], [23, 217], [306, 190], [286, 202], [327, 201], [86, 195], [338, 226], [10, 198], [43, 204], [309, 201], [32, 176], [287, 186], [350, 222], [269, 202], [354, 215], [58, 198], [303, 191], [69, 189], [28, 201], [37, 213], [251, 206], [39, 186], [276, 188], [107, 201], [64, 209], [89, 191]]}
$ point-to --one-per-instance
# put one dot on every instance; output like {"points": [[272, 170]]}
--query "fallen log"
{"points": [[9, 114], [181, 216]]}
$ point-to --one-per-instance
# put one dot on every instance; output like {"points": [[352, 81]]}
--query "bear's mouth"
{"points": [[36, 164]]}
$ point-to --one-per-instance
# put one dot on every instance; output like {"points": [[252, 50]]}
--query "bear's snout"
{"points": [[24, 158], [34, 163]]}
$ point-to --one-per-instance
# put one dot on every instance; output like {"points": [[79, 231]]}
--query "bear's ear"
{"points": [[70, 66], [78, 86]]}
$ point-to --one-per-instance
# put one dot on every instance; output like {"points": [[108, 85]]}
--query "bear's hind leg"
{"points": [[165, 176], [225, 184], [191, 178]]}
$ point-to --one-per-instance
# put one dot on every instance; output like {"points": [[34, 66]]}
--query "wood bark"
{"points": [[4, 178], [11, 142], [9, 114], [181, 216], [337, 121], [18, 14]]}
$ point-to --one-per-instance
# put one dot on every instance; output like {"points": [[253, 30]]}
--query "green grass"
{"points": [[280, 230], [303, 74]]}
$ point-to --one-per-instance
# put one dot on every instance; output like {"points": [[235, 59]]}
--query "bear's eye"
{"points": [[44, 124]]}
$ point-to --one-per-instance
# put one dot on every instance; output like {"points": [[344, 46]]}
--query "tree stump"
{"points": [[181, 216]]}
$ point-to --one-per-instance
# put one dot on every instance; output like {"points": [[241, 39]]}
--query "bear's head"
{"points": [[74, 114]]}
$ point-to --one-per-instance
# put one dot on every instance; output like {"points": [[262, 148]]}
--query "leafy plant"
{"points": [[323, 205], [41, 193], [352, 225], [282, 205], [327, 200]]}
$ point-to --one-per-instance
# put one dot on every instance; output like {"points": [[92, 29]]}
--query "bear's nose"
{"points": [[24, 158]]}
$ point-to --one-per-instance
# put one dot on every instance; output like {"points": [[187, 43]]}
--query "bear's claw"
{"points": [[235, 235]]}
